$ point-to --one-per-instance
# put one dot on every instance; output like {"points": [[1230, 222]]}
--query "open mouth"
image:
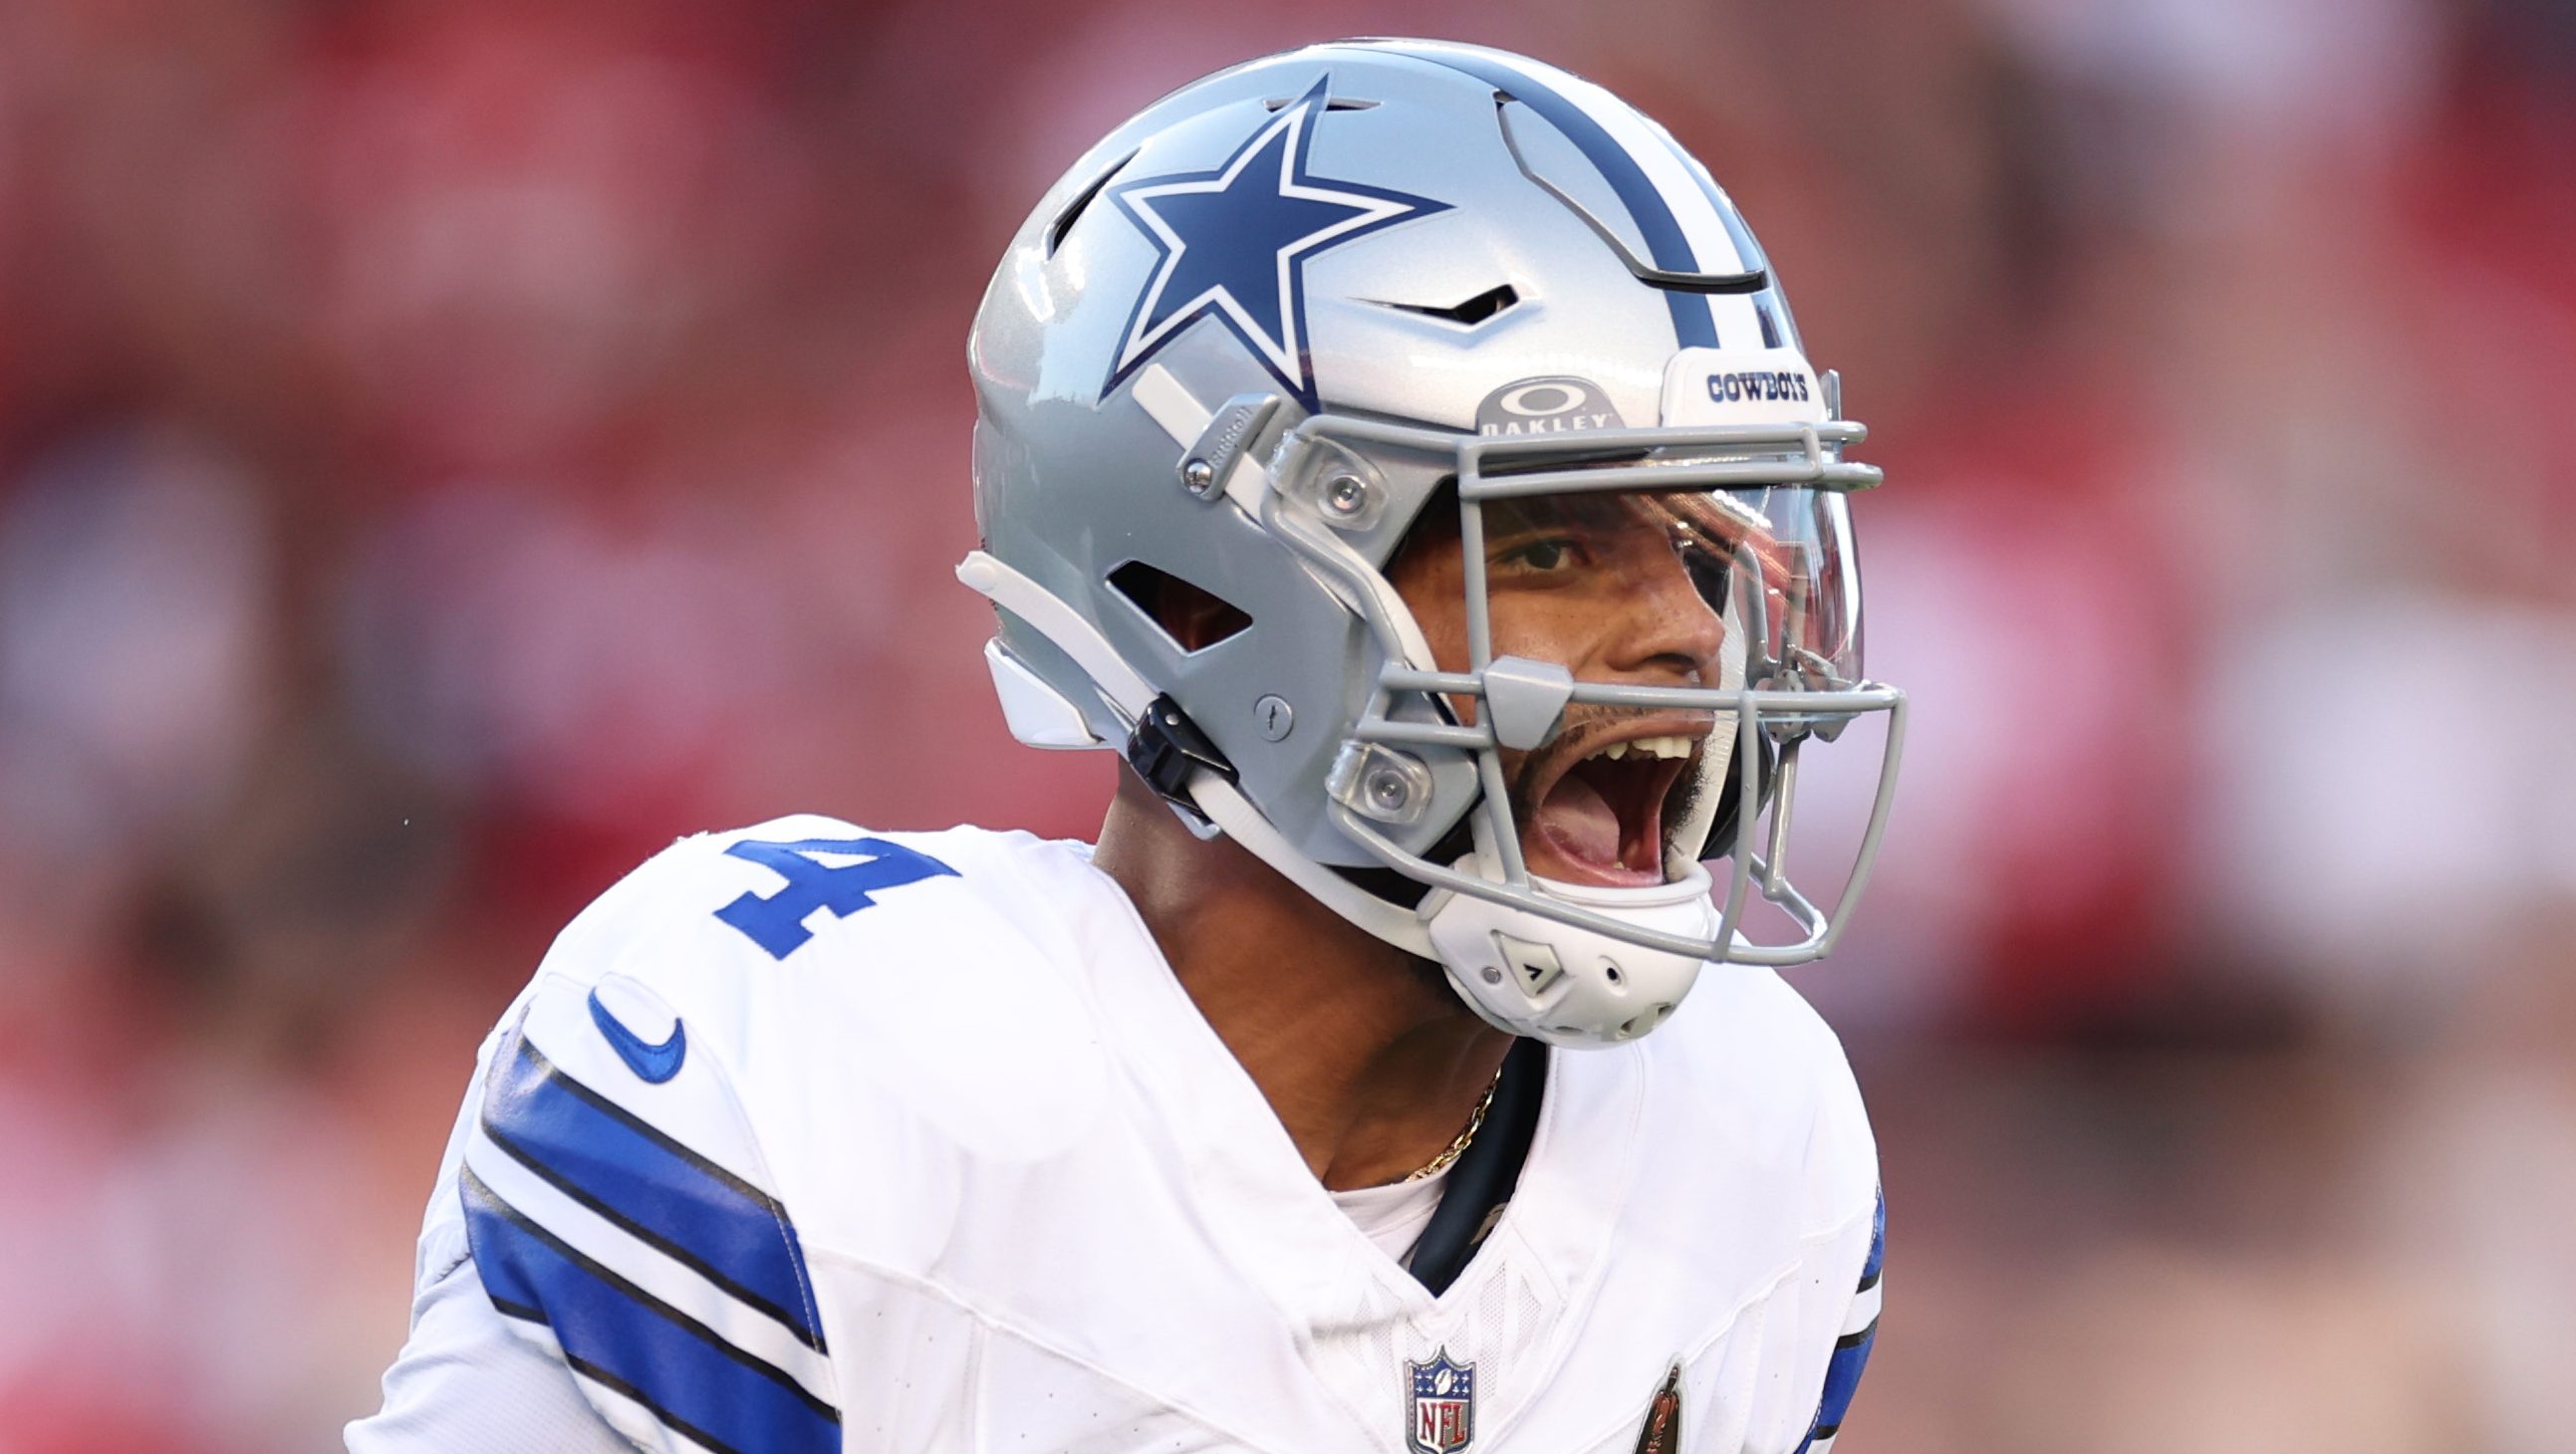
{"points": [[1601, 807]]}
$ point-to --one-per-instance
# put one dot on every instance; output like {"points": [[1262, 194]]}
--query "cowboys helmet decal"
{"points": [[1232, 244]]}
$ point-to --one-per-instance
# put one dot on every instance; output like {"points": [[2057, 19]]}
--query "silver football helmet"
{"points": [[1402, 452]]}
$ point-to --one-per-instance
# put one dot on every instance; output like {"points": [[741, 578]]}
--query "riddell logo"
{"points": [[1554, 405], [1768, 384]]}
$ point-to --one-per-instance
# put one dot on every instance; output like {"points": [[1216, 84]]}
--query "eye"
{"points": [[1711, 572], [1547, 553]]}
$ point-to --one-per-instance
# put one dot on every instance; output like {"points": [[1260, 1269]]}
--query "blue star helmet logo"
{"points": [[1232, 244]]}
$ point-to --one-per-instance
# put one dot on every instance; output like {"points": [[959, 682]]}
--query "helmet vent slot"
{"points": [[1194, 618], [1337, 103], [1471, 312], [1074, 209]]}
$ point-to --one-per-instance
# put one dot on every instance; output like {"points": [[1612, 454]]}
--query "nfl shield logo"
{"points": [[1440, 1414]]}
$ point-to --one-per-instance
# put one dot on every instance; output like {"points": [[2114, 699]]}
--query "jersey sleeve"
{"points": [[621, 1220], [1851, 1347], [463, 1380], [615, 1199]]}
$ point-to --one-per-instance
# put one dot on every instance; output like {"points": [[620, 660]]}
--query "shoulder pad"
{"points": [[846, 1000], [736, 929], [792, 890], [1768, 1076], [772, 886]]}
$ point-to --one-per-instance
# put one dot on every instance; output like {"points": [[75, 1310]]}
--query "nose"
{"points": [[1665, 628]]}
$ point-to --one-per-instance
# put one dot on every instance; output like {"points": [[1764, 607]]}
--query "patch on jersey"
{"points": [[1662, 1431], [1440, 1409]]}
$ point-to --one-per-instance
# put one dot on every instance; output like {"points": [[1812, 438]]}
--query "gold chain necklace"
{"points": [[1458, 1148]]}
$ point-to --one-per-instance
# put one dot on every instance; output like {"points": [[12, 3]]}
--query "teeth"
{"points": [[1666, 747]]}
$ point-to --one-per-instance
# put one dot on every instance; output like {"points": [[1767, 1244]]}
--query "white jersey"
{"points": [[807, 1139]]}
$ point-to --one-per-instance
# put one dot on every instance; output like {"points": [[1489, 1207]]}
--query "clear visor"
{"points": [[1772, 565], [1635, 639]]}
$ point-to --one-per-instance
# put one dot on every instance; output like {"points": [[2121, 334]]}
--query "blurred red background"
{"points": [[449, 450]]}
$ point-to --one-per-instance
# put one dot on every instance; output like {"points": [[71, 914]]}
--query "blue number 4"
{"points": [[777, 923]]}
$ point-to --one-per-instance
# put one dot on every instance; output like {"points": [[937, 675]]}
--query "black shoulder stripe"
{"points": [[649, 1303], [520, 1311], [606, 1379], [548, 1070], [651, 1238]]}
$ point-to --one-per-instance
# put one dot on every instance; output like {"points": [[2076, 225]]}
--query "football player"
{"points": [[1402, 454]]}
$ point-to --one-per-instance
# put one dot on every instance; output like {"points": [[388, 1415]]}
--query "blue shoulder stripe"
{"points": [[1851, 1350], [1877, 1245], [601, 1155], [1842, 1380], [1666, 246], [688, 1376]]}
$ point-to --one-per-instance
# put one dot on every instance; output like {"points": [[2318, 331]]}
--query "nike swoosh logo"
{"points": [[655, 1063]]}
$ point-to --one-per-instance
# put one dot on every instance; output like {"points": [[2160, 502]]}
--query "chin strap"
{"points": [[1211, 792]]}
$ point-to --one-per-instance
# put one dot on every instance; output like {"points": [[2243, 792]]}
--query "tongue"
{"points": [[1581, 820]]}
